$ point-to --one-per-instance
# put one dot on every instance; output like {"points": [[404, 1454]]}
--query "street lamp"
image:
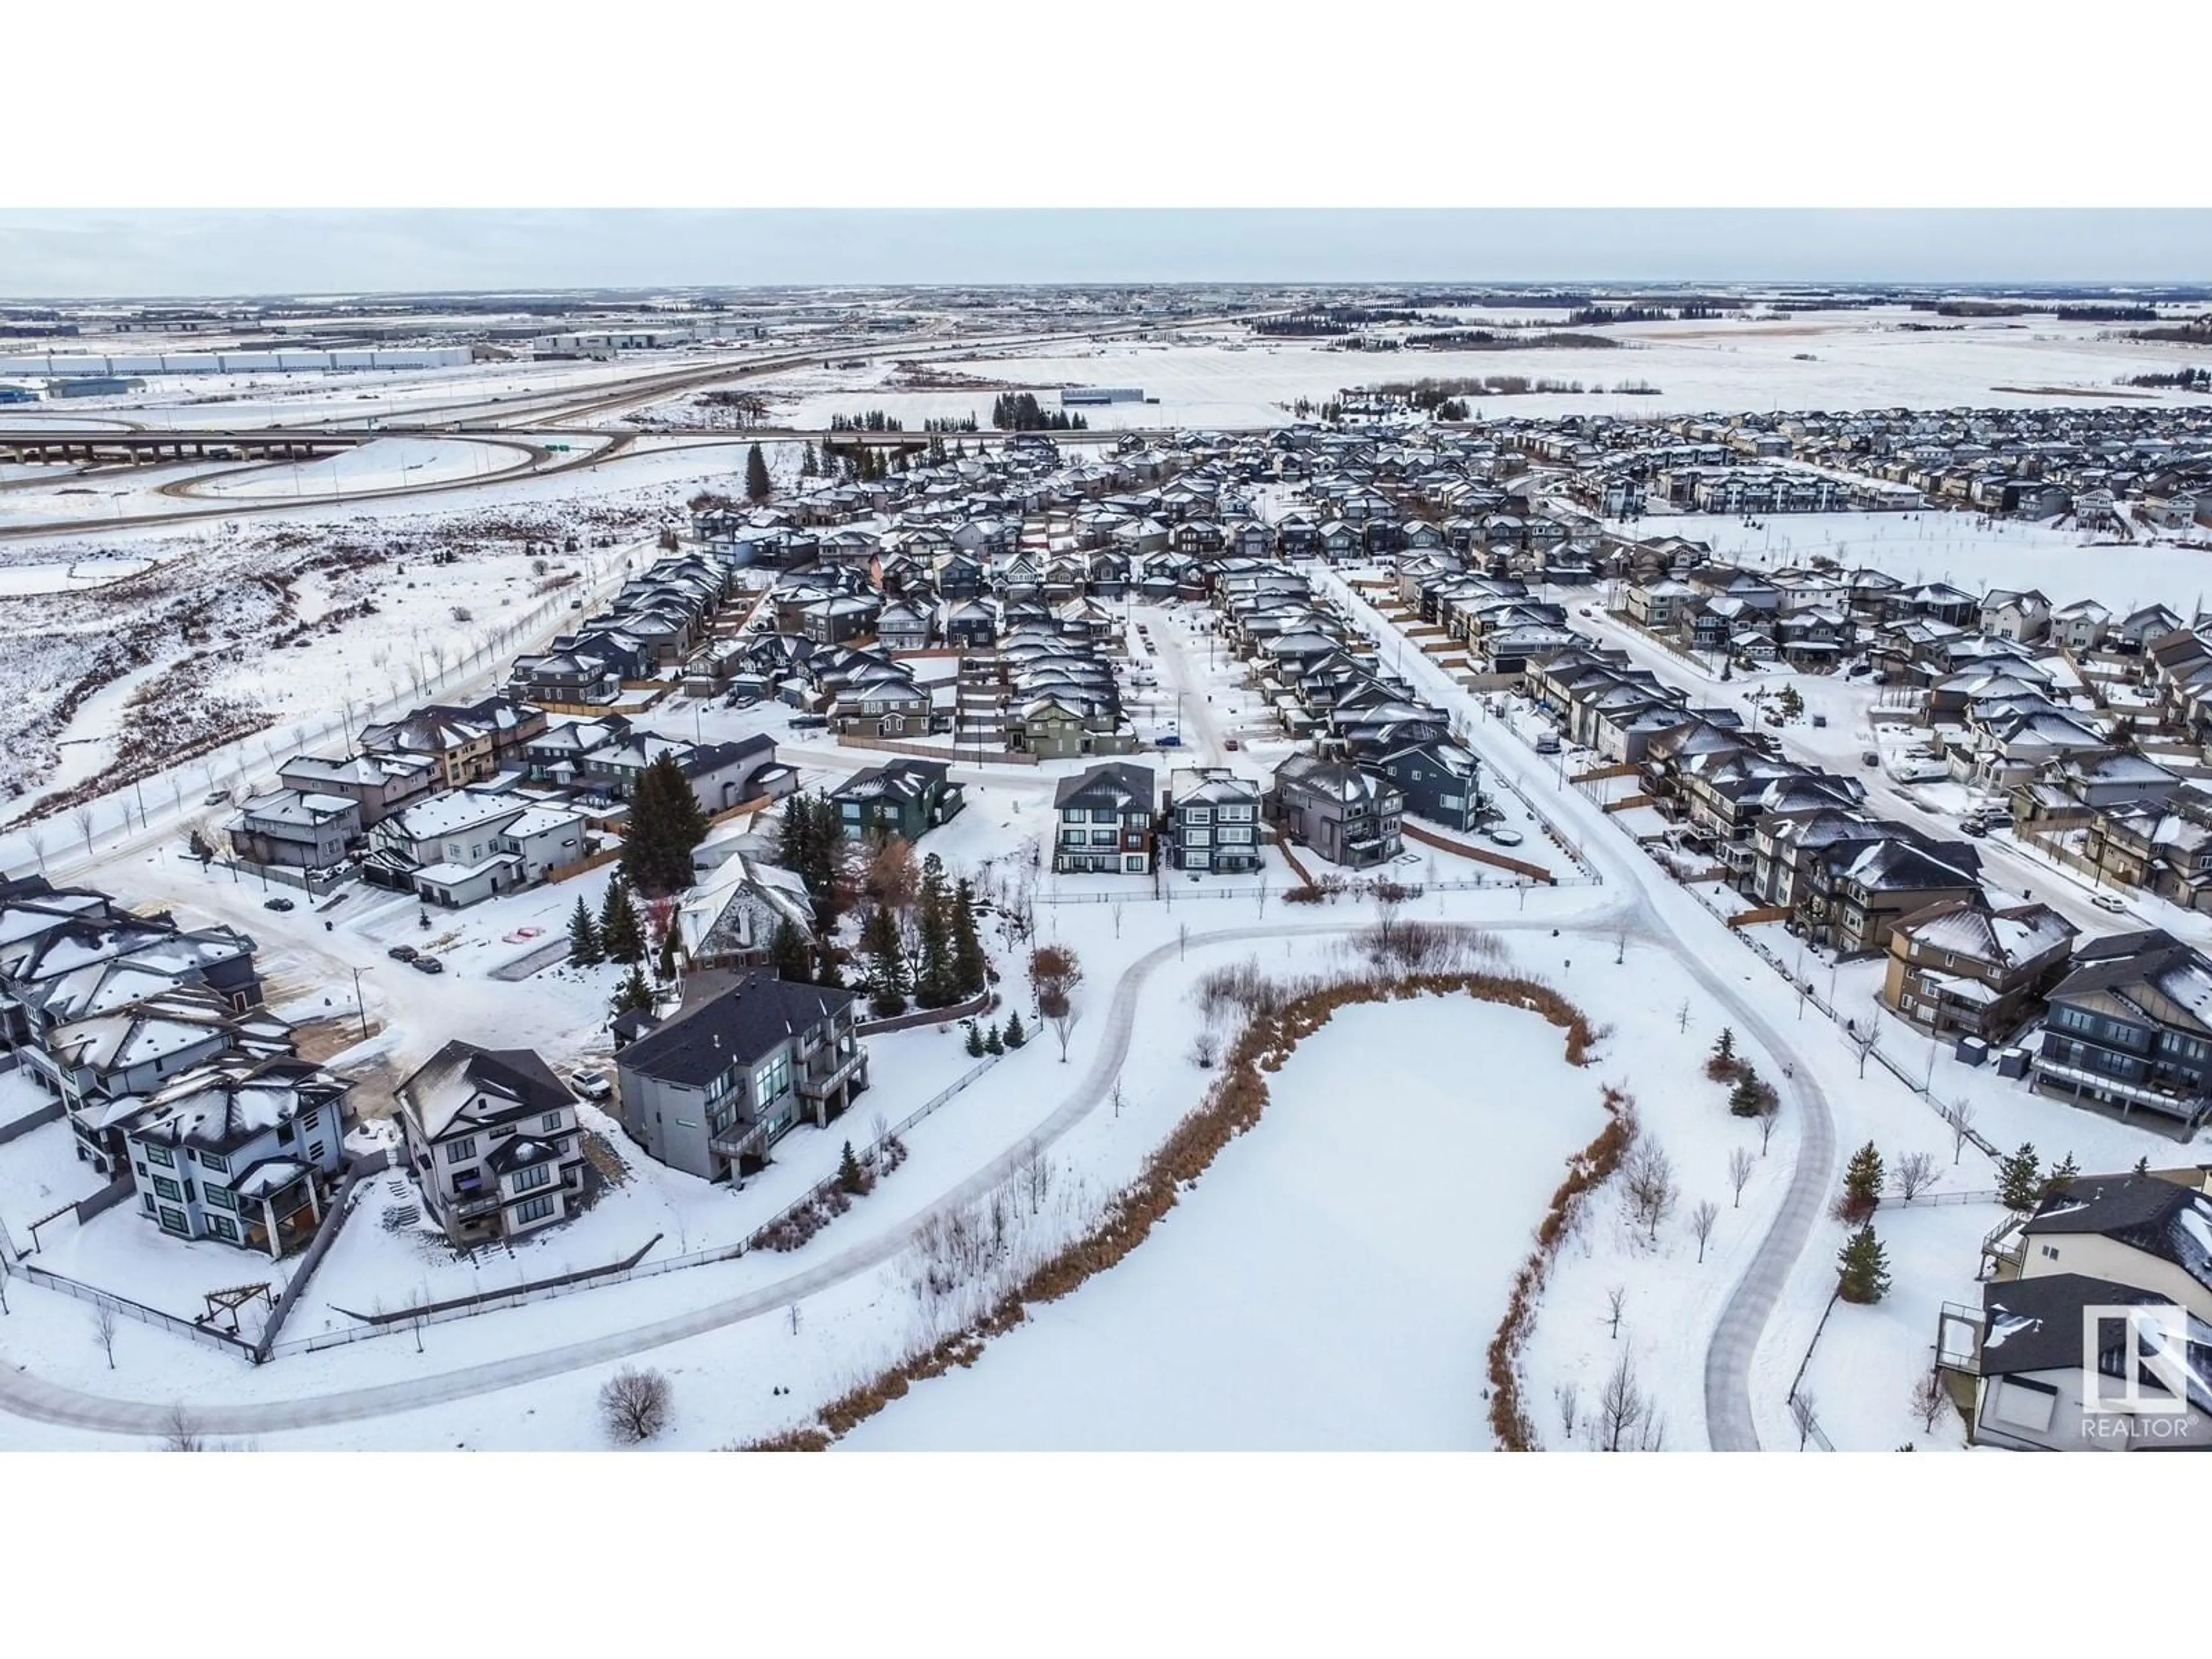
{"points": [[361, 1012]]}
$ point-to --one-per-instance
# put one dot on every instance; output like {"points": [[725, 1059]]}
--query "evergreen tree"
{"points": [[975, 1039], [2019, 1180], [850, 1178], [1724, 1045], [756, 483], [2065, 1170], [665, 824], [787, 953], [1862, 1179], [826, 969], [665, 966], [993, 1043], [810, 463], [633, 993], [1747, 1098], [1015, 1035], [584, 937], [934, 985], [1863, 1267], [621, 937], [2143, 1164], [971, 967], [887, 975]]}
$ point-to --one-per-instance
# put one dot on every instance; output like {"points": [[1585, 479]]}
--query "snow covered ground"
{"points": [[1319, 1289]]}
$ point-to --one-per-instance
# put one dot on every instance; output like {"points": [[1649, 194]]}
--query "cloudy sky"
{"points": [[59, 255]]}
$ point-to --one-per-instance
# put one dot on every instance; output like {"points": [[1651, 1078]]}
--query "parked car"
{"points": [[1973, 827], [1872, 757], [428, 965], [593, 1085], [1820, 719], [216, 797], [1231, 743], [1548, 743], [809, 722], [1171, 741], [402, 953], [278, 904], [2109, 901]]}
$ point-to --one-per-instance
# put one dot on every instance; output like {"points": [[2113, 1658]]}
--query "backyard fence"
{"points": [[619, 1272]]}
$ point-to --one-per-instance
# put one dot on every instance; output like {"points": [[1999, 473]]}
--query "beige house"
{"points": [[1955, 969]]}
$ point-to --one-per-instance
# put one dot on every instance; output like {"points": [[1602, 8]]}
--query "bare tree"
{"points": [[1805, 1413], [1930, 1399], [103, 1332], [791, 1317], [1569, 1398], [1260, 892], [1740, 1164], [634, 1404], [1183, 940], [1962, 1126], [82, 819], [1621, 1406], [1616, 1303], [1916, 1173], [183, 1434], [1702, 1219], [1115, 906], [1055, 973], [1647, 1174], [1206, 1049], [1118, 1098], [1863, 1040], [1063, 1025], [38, 841], [1766, 1121], [1035, 1175], [1682, 1016]]}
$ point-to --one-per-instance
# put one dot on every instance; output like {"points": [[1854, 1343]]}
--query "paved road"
{"points": [[22, 1393]]}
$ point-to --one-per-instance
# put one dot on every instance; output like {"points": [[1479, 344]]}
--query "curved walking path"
{"points": [[25, 1394]]}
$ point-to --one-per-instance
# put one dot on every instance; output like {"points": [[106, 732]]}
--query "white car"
{"points": [[2108, 901], [593, 1085]]}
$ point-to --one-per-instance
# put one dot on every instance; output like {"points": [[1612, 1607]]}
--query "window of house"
{"points": [[536, 1209], [221, 1198], [161, 1156], [550, 1121], [536, 1176], [173, 1220], [214, 1161], [169, 1190], [775, 1078], [461, 1151], [148, 1202], [225, 1228]]}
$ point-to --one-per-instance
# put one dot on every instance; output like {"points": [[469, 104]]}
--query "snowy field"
{"points": [[1814, 360], [1323, 1287], [383, 464], [1959, 548]]}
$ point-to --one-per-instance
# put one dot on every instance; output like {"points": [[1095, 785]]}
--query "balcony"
{"points": [[474, 1200], [825, 1075], [739, 1140]]}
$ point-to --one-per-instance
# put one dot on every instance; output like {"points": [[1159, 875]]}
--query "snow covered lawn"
{"points": [[1332, 1281], [40, 1171]]}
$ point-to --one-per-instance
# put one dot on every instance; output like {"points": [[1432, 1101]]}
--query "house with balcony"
{"points": [[1213, 821], [491, 1138], [742, 1060], [1105, 821], [2130, 1028], [1956, 969], [294, 831], [244, 1151], [1440, 780], [378, 785], [1348, 816]]}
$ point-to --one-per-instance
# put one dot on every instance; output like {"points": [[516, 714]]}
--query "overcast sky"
{"points": [[186, 252]]}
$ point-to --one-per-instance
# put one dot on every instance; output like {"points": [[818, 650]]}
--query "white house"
{"points": [[492, 1138]]}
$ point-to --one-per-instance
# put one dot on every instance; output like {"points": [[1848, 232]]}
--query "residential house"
{"points": [[295, 831], [1106, 820], [2130, 1028], [1213, 821], [907, 797], [744, 1058], [491, 1136], [1346, 815], [1957, 970], [1439, 780]]}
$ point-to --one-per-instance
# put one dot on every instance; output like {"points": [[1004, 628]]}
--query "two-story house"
{"points": [[906, 797], [1347, 816], [2130, 1027], [1955, 969], [1213, 821], [492, 1137], [295, 831], [740, 1063], [1106, 819], [241, 1149]]}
